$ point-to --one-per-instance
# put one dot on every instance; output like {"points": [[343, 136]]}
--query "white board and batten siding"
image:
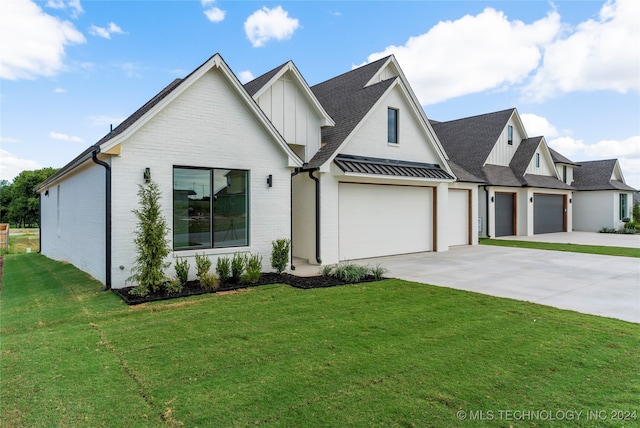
{"points": [[381, 220], [73, 214], [502, 152], [192, 131], [288, 109]]}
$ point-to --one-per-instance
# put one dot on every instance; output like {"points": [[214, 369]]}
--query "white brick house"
{"points": [[202, 139]]}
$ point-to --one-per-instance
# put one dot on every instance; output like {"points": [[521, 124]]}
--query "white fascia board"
{"points": [[418, 108], [215, 61], [617, 168], [516, 116], [547, 154], [302, 84]]}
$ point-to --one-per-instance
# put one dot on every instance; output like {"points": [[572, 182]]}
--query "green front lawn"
{"points": [[389, 353], [573, 248]]}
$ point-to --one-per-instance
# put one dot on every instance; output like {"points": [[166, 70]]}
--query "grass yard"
{"points": [[573, 248], [27, 238], [389, 353]]}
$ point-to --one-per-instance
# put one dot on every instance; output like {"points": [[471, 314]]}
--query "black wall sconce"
{"points": [[270, 180], [492, 199], [531, 199], [46, 192], [147, 175], [569, 200]]}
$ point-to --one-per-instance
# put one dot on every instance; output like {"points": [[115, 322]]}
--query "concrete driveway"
{"points": [[592, 284]]}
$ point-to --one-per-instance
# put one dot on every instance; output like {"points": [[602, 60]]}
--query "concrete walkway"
{"points": [[592, 284]]}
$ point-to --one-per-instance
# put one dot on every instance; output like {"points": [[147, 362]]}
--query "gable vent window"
{"points": [[537, 160], [392, 125], [510, 135]]}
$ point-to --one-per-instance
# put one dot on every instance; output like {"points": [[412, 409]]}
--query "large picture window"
{"points": [[210, 208]]}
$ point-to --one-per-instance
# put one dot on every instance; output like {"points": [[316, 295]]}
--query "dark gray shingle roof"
{"points": [[558, 158], [469, 141], [596, 175], [347, 101], [256, 84], [522, 157]]}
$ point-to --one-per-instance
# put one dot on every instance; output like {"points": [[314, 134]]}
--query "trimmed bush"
{"points": [[253, 267], [237, 266], [182, 270], [350, 272], [223, 268], [280, 249]]}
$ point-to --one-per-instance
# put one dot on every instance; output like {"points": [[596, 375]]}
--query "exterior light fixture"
{"points": [[531, 199], [147, 175], [270, 180]]}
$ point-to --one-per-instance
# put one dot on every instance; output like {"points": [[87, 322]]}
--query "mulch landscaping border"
{"points": [[193, 288]]}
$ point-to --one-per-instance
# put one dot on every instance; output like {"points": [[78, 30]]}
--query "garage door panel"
{"points": [[504, 209], [380, 220], [458, 218], [548, 213]]}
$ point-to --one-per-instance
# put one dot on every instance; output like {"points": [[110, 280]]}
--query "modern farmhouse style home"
{"points": [[347, 169]]}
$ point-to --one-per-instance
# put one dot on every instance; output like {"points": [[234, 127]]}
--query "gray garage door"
{"points": [[548, 213], [504, 214]]}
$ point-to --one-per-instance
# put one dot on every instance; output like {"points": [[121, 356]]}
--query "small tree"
{"points": [[636, 212], [152, 245]]}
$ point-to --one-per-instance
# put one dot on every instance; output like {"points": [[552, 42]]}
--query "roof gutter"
{"points": [[317, 180], [107, 167]]}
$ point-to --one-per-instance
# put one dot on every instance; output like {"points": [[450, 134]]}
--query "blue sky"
{"points": [[70, 68]]}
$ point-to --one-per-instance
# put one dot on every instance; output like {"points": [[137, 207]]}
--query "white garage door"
{"points": [[380, 220], [458, 218]]}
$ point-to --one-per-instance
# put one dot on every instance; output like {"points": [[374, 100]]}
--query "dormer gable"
{"points": [[541, 163], [508, 142], [286, 99], [389, 70]]}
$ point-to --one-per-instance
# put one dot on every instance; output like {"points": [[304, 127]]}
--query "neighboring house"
{"points": [[602, 198], [348, 169], [223, 168], [522, 193]]}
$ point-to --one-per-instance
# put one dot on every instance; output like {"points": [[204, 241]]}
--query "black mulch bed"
{"points": [[193, 288]]}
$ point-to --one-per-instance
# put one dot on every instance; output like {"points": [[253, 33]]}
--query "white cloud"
{"points": [[65, 137], [74, 5], [33, 41], [246, 76], [472, 54], [11, 165], [107, 31], [266, 24], [213, 14], [599, 54], [538, 125], [60, 90]]}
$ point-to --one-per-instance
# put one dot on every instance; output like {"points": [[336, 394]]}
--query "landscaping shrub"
{"points": [[253, 267], [173, 286], [223, 268], [350, 272], [635, 213], [280, 254], [152, 245], [237, 266], [206, 278], [182, 270]]}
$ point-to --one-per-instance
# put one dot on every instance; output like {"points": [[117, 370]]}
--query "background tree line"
{"points": [[19, 202]]}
